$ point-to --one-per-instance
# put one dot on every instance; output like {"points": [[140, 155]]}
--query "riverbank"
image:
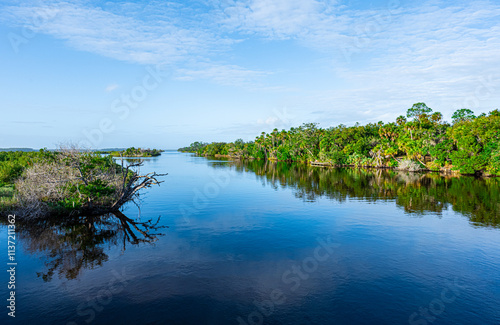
{"points": [[448, 171], [470, 145]]}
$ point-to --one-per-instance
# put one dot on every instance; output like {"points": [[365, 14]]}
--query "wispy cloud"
{"points": [[437, 52], [119, 36], [432, 50], [159, 33], [221, 74], [274, 19], [111, 87]]}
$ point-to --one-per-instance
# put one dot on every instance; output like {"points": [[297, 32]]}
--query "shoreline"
{"points": [[442, 170]]}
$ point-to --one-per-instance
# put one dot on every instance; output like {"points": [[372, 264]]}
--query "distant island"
{"points": [[134, 152], [421, 140], [17, 149]]}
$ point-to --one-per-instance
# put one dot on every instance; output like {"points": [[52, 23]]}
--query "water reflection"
{"points": [[417, 193], [245, 244], [70, 245]]}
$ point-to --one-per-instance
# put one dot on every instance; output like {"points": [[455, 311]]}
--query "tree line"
{"points": [[419, 140]]}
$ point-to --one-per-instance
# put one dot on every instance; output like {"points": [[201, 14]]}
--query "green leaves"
{"points": [[477, 144], [463, 115], [96, 189], [10, 171], [418, 111]]}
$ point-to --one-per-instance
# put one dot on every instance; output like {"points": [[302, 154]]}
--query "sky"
{"points": [[163, 74]]}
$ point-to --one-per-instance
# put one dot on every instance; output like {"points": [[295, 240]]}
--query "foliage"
{"points": [[13, 163], [463, 115], [470, 145], [476, 141], [193, 147], [419, 111]]}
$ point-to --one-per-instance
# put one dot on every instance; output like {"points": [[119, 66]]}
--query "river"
{"points": [[257, 243]]}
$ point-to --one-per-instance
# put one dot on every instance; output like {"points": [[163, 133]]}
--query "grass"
{"points": [[7, 197]]}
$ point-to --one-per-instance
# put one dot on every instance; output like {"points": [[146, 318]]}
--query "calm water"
{"points": [[270, 244]]}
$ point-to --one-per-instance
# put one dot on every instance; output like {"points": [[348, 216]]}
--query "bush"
{"points": [[9, 172], [393, 163], [73, 180], [433, 165], [493, 166], [467, 163]]}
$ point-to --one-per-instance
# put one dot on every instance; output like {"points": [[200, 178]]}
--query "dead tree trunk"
{"points": [[135, 184]]}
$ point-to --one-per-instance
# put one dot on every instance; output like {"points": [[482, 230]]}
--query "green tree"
{"points": [[418, 111], [463, 115]]}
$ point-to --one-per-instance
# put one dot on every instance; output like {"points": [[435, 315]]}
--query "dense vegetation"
{"points": [[67, 181], [421, 139], [194, 147], [13, 163], [136, 152]]}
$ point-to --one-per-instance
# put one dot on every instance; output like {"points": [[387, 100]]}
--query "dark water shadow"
{"points": [[73, 244], [417, 193]]}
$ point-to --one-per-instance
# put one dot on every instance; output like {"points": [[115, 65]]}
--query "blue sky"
{"points": [[167, 73]]}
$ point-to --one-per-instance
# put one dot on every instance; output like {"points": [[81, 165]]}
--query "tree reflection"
{"points": [[416, 193], [71, 245]]}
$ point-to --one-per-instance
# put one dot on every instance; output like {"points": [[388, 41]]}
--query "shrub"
{"points": [[73, 180], [9, 171], [433, 165], [393, 163], [493, 166]]}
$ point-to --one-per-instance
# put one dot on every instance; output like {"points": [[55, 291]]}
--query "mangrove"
{"points": [[68, 181]]}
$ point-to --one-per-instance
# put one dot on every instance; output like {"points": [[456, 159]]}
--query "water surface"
{"points": [[256, 243]]}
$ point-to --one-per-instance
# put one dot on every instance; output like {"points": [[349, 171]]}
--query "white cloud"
{"points": [[117, 36], [383, 58], [444, 55], [279, 19], [222, 74], [111, 87], [438, 54]]}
